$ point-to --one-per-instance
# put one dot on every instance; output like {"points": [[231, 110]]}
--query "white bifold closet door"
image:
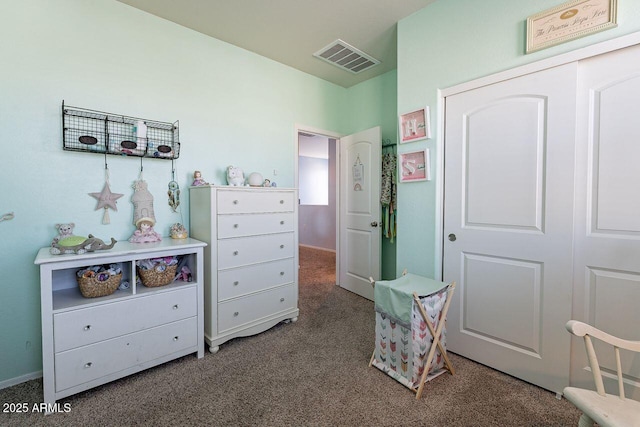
{"points": [[542, 218], [508, 223]]}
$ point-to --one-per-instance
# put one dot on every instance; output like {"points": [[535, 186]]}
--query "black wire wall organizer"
{"points": [[93, 131]]}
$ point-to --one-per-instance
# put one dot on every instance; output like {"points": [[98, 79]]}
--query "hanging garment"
{"points": [[388, 195]]}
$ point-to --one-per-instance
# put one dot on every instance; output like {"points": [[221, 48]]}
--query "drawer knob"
{"points": [[282, 202], [175, 307], [88, 364], [235, 252], [235, 225], [235, 202], [87, 328], [282, 273], [176, 338], [236, 314], [281, 222], [236, 283], [281, 246], [281, 299]]}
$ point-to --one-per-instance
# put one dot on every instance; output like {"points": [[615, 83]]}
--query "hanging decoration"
{"points": [[179, 231], [358, 175], [143, 215], [106, 199], [174, 190]]}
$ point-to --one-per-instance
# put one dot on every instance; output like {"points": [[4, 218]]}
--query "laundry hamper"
{"points": [[410, 335]]}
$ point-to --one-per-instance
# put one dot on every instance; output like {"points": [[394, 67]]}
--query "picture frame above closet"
{"points": [[569, 21], [414, 125]]}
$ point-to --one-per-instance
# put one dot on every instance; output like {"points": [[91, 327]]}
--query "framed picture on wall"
{"points": [[568, 21], [414, 125], [414, 166]]}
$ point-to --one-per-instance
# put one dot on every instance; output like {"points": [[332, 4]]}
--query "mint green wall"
{"points": [[234, 107], [373, 103], [451, 42]]}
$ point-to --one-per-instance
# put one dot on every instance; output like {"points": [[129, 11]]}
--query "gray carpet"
{"points": [[310, 373]]}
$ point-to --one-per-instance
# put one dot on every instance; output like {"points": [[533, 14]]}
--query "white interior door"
{"points": [[607, 256], [508, 221], [359, 251]]}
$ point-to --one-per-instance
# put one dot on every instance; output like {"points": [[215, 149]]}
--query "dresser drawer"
{"points": [[250, 250], [89, 325], [244, 280], [239, 225], [255, 201], [240, 311], [84, 364]]}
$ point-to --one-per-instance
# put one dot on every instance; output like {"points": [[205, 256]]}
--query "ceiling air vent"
{"points": [[347, 57]]}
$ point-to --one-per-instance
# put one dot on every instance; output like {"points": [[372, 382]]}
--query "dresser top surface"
{"points": [[122, 248]]}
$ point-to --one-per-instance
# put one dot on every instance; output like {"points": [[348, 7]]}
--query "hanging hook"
{"points": [[7, 216]]}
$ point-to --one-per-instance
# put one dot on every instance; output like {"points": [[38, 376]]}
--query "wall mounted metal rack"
{"points": [[93, 131]]}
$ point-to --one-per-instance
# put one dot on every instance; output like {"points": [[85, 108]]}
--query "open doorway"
{"points": [[317, 211]]}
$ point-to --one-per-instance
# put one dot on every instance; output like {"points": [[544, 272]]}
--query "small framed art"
{"points": [[414, 125], [414, 166]]}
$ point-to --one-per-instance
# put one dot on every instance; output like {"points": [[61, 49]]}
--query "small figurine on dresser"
{"points": [[198, 180], [235, 176], [178, 231], [145, 232], [143, 215]]}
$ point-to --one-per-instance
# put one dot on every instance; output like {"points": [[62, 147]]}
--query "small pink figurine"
{"points": [[145, 232], [197, 179]]}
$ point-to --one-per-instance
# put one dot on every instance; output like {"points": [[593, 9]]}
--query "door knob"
{"points": [[452, 237], [374, 224]]}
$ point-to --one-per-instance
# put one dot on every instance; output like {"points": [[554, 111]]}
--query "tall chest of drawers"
{"points": [[251, 260]]}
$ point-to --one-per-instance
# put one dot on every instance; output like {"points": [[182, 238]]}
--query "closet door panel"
{"points": [[508, 216], [607, 234]]}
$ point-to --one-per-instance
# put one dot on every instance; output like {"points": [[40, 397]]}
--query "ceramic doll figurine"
{"points": [[145, 232], [197, 179]]}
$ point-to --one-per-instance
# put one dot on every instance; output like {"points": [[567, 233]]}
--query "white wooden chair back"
{"points": [[598, 406]]}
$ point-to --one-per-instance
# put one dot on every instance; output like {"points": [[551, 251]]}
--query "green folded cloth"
{"points": [[394, 297]]}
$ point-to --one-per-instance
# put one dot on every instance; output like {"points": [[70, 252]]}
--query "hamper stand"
{"points": [[410, 319]]}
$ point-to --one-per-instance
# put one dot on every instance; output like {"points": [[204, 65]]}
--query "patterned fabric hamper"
{"points": [[403, 338]]}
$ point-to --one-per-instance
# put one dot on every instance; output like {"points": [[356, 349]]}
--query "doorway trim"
{"points": [[329, 134], [554, 61]]}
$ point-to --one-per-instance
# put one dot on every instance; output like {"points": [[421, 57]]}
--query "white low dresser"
{"points": [[87, 342], [251, 260]]}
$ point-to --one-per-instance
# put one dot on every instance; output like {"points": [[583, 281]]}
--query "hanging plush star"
{"points": [[106, 199]]}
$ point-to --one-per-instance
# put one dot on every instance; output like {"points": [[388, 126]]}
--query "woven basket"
{"points": [[154, 278], [91, 287]]}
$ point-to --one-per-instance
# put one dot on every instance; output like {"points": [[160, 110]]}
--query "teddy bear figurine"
{"points": [[64, 230], [235, 176]]}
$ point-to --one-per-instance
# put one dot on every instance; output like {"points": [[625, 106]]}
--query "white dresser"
{"points": [[87, 342], [251, 261]]}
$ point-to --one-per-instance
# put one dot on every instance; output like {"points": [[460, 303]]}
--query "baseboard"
{"points": [[318, 248], [19, 380]]}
